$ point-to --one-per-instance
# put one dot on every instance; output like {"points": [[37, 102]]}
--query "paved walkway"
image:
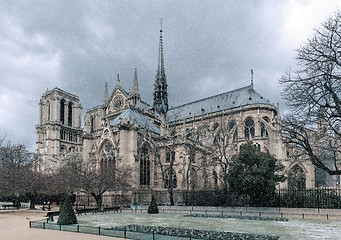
{"points": [[14, 225]]}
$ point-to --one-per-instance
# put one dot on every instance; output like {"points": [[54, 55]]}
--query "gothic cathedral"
{"points": [[192, 141]]}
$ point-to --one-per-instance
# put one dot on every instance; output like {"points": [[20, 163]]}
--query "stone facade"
{"points": [[190, 142]]}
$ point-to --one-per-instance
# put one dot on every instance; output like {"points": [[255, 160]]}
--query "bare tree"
{"points": [[313, 91], [216, 146], [75, 175], [16, 173], [67, 178], [96, 183], [223, 147], [195, 141], [166, 145]]}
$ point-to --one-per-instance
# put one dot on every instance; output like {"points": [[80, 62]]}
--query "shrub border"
{"points": [[194, 233], [238, 217]]}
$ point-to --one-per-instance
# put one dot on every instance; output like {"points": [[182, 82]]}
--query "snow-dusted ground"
{"points": [[293, 229]]}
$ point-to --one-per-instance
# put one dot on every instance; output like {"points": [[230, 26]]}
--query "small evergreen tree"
{"points": [[153, 209], [67, 216]]}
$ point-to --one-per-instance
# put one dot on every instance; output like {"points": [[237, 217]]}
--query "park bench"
{"points": [[46, 207], [50, 215], [108, 209], [85, 210], [6, 206]]}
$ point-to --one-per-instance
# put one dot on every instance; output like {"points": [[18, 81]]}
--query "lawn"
{"points": [[293, 229]]}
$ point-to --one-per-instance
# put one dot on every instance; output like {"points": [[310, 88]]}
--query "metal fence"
{"points": [[110, 232], [310, 198]]}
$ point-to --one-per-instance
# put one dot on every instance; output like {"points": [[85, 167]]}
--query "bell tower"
{"points": [[59, 130]]}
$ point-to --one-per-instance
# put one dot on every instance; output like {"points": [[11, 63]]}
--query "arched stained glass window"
{"points": [[70, 114], [107, 160], [235, 135], [171, 179], [62, 111], [144, 167], [249, 125], [263, 130], [48, 111], [257, 147], [92, 124], [296, 178]]}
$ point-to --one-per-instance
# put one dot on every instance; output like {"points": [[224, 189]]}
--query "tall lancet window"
{"points": [[263, 130], [69, 119], [107, 160], [144, 167], [62, 111], [92, 124], [48, 111]]}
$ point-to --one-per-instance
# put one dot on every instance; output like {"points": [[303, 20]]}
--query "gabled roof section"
{"points": [[228, 100], [115, 92], [141, 119]]}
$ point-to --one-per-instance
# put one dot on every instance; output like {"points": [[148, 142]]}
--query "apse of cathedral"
{"points": [[126, 130]]}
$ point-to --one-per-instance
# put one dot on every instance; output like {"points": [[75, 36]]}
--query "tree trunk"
{"points": [[32, 203], [98, 198], [171, 197], [32, 199], [17, 203]]}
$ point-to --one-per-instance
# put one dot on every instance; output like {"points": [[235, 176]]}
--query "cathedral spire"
{"points": [[161, 67], [105, 100], [136, 85], [160, 87], [134, 95]]}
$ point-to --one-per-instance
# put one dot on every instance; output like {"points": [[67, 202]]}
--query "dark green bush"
{"points": [[67, 216], [153, 209]]}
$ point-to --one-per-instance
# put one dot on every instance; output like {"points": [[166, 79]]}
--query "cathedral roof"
{"points": [[228, 100], [141, 119]]}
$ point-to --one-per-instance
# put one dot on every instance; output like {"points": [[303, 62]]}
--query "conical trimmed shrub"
{"points": [[153, 209], [67, 216]]}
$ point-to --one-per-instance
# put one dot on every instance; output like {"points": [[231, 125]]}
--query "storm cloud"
{"points": [[209, 47]]}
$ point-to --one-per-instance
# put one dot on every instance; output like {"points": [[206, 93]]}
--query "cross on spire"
{"points": [[161, 26]]}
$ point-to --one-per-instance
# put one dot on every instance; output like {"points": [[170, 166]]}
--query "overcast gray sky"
{"points": [[209, 47]]}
